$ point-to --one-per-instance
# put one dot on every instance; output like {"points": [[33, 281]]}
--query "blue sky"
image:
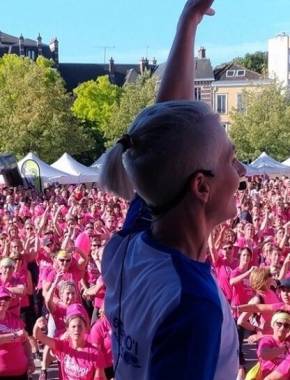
{"points": [[137, 27]]}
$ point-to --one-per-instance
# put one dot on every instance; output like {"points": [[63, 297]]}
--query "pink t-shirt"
{"points": [[100, 336], [9, 351], [99, 298], [92, 272], [80, 364], [269, 298], [59, 313], [223, 272], [267, 366], [14, 306], [74, 274], [242, 291], [45, 264]]}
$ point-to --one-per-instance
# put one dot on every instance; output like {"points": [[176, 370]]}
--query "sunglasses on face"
{"points": [[29, 228], [64, 260], [286, 290], [285, 325], [6, 299]]}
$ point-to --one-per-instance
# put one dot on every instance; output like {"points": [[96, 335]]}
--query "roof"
{"points": [[203, 69], [10, 45], [220, 73], [77, 73], [7, 39]]}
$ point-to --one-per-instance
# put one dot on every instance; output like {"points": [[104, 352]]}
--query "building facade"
{"points": [[26, 47], [279, 59], [203, 77], [231, 80]]}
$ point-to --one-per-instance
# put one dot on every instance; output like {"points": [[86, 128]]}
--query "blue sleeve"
{"points": [[138, 217], [186, 345]]}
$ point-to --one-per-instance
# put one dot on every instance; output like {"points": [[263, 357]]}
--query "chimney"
{"points": [[146, 63], [202, 53], [154, 61], [54, 49], [142, 65], [21, 46], [39, 44], [111, 66]]}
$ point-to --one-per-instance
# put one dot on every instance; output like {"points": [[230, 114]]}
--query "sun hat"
{"points": [[77, 310]]}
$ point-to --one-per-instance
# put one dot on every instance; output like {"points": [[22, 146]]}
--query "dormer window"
{"points": [[241, 73], [230, 73]]}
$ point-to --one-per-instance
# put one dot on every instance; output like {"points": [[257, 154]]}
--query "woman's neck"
{"points": [[78, 343], [187, 234]]}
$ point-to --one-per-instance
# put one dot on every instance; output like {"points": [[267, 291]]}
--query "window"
{"points": [[197, 93], [221, 103], [230, 73], [241, 73], [240, 103], [31, 54]]}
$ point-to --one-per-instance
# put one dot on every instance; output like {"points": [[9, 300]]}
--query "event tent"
{"points": [[99, 162], [47, 173], [250, 171], [286, 162], [267, 165], [69, 165]]}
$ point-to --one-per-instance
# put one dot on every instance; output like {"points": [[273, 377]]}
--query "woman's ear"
{"points": [[200, 187]]}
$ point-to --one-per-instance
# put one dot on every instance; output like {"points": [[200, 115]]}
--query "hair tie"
{"points": [[126, 142]]}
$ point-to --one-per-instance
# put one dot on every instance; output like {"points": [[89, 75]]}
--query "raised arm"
{"points": [[178, 79], [38, 334]]}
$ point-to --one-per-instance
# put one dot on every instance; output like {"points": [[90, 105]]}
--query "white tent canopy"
{"points": [[251, 172], [47, 173], [99, 162], [69, 165], [267, 165], [286, 162]]}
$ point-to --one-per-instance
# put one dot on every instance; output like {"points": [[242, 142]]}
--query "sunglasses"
{"points": [[284, 289], [29, 228], [285, 325], [64, 260], [6, 299]]}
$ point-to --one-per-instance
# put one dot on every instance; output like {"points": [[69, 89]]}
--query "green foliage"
{"points": [[265, 124], [95, 101], [256, 62], [35, 111], [136, 96]]}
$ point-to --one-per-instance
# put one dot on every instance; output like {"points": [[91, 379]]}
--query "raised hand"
{"points": [[196, 9]]}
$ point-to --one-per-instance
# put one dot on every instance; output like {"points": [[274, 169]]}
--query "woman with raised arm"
{"points": [[78, 358], [169, 319]]}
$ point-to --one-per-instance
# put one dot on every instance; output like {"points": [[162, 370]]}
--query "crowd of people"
{"points": [[52, 293], [250, 257], [164, 315], [52, 285]]}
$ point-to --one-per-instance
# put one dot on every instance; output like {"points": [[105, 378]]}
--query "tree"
{"points": [[35, 110], [264, 125], [94, 104], [256, 61], [136, 96]]}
